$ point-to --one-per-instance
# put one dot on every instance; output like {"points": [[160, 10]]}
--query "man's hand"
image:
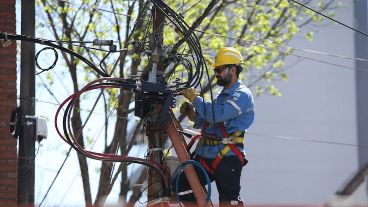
{"points": [[187, 109], [190, 94]]}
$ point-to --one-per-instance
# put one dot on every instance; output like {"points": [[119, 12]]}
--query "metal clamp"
{"points": [[5, 42]]}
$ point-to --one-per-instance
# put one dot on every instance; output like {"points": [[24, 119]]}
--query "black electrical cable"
{"points": [[192, 41], [52, 65], [196, 23], [332, 19], [103, 62], [4, 35]]}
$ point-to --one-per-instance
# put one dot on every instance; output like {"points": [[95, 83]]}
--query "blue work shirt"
{"points": [[234, 107]]}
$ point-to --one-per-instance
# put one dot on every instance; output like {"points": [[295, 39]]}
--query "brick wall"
{"points": [[8, 145]]}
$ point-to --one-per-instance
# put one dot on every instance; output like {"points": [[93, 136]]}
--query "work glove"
{"points": [[190, 94], [187, 109]]}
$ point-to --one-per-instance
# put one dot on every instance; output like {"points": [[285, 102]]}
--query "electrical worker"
{"points": [[221, 148]]}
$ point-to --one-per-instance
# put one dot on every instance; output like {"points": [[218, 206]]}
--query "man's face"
{"points": [[222, 74]]}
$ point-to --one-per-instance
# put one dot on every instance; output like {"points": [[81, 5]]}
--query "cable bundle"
{"points": [[194, 77], [68, 136]]}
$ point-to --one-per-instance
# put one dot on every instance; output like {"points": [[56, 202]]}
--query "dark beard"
{"points": [[223, 82]]}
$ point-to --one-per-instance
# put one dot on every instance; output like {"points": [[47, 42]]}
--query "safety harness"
{"points": [[230, 142]]}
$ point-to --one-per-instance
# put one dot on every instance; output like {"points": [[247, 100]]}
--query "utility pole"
{"points": [[157, 133], [27, 137], [154, 131]]}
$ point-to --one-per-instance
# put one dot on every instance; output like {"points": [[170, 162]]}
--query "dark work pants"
{"points": [[227, 178]]}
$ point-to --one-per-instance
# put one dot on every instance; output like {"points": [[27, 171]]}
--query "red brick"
{"points": [[7, 175], [8, 145], [8, 181], [9, 203], [10, 58], [8, 168], [8, 150], [12, 161], [10, 67], [8, 51], [6, 77], [10, 13], [8, 155], [8, 70], [12, 189], [8, 142], [7, 195], [12, 175]]}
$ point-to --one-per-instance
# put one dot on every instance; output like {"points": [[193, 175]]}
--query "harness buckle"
{"points": [[227, 140]]}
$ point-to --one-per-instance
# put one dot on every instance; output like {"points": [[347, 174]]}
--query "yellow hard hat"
{"points": [[228, 56]]}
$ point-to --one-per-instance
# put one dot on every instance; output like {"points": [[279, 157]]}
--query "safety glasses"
{"points": [[220, 69]]}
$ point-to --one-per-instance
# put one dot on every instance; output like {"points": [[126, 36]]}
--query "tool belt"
{"points": [[212, 140]]}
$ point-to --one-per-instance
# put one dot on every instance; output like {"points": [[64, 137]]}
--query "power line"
{"points": [[68, 188], [307, 140], [304, 50], [332, 19], [326, 62], [251, 43], [236, 38], [329, 63], [61, 167], [93, 7], [67, 155], [321, 52], [95, 141], [303, 139], [56, 176]]}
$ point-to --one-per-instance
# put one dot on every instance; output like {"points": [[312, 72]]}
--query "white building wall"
{"points": [[318, 103]]}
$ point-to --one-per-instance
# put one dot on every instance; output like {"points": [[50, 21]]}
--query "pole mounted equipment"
{"points": [[16, 121]]}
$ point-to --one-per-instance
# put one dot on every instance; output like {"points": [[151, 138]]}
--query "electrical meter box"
{"points": [[41, 128]]}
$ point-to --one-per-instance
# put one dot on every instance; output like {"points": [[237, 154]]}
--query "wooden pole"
{"points": [[155, 132], [183, 156], [27, 137]]}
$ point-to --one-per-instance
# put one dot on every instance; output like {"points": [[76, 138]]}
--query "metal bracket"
{"points": [[5, 42]]}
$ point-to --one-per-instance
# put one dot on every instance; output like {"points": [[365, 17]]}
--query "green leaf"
{"points": [[278, 64], [284, 76], [309, 36], [272, 90]]}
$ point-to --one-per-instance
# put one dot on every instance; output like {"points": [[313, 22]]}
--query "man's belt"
{"points": [[236, 138]]}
